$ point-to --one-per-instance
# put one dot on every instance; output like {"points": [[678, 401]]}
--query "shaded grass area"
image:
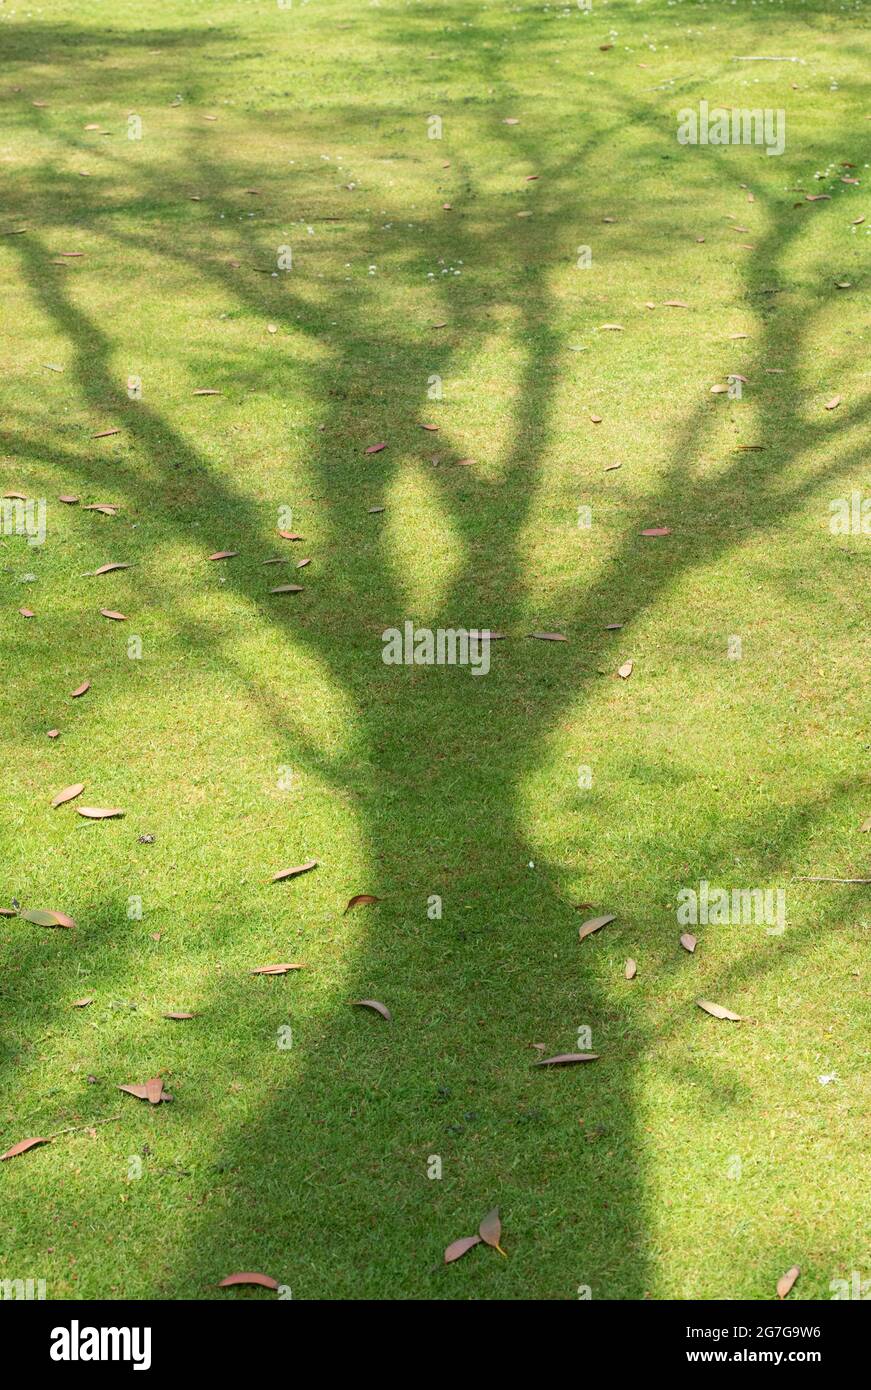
{"points": [[257, 731]]}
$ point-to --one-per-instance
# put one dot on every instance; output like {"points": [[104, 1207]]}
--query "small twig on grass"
{"points": [[73, 1129], [804, 878]]}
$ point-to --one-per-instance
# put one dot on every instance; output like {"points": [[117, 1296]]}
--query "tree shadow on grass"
{"points": [[443, 812]]}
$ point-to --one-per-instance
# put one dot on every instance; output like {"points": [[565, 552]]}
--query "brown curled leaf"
{"points": [[718, 1011], [281, 969], [375, 1004], [69, 794], [292, 873], [22, 1146], [595, 924], [42, 918], [786, 1281], [563, 1059], [263, 1280], [152, 1091], [490, 1230], [458, 1248], [361, 900]]}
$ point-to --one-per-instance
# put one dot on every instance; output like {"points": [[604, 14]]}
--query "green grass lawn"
{"points": [[248, 732]]}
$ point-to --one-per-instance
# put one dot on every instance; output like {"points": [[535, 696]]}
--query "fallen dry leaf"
{"points": [[361, 900], [630, 969], [548, 636], [42, 918], [688, 941], [179, 1015], [563, 1059], [263, 1280], [104, 434], [625, 671], [69, 793], [833, 403], [595, 924], [459, 1247], [374, 448], [107, 569], [657, 531], [81, 690], [100, 812], [27, 612], [152, 1091], [786, 1281], [490, 1230], [287, 589], [675, 304], [22, 1146], [717, 1011], [223, 554], [82, 1003], [115, 617], [278, 969], [373, 1004], [292, 873]]}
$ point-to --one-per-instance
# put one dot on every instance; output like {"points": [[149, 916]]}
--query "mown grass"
{"points": [[258, 731]]}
